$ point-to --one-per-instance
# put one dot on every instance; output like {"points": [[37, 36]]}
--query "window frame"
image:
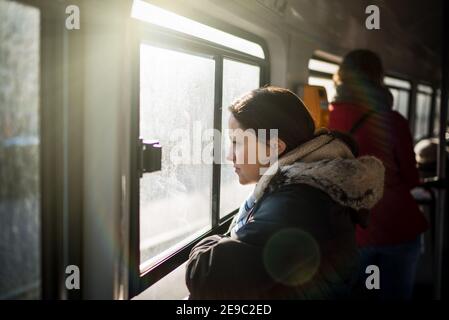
{"points": [[172, 40]]}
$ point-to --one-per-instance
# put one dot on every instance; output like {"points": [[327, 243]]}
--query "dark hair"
{"points": [[275, 108], [360, 64]]}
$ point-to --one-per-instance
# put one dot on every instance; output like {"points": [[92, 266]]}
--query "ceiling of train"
{"points": [[409, 30], [416, 24], [409, 39]]}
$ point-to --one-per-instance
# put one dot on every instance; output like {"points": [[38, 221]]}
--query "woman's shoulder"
{"points": [[293, 202], [399, 125], [296, 206], [343, 115], [350, 182], [298, 191], [399, 118]]}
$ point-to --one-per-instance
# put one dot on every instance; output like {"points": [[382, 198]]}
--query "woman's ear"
{"points": [[275, 149], [281, 146]]}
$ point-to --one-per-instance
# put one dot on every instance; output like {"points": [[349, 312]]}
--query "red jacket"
{"points": [[386, 135]]}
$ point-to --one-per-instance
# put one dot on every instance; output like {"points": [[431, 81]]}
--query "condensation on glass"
{"points": [[176, 107], [238, 79], [19, 152]]}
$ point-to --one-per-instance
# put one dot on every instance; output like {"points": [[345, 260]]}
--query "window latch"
{"points": [[150, 156]]}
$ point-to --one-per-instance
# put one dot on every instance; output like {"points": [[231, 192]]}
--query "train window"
{"points": [[436, 117], [400, 101], [20, 213], [177, 95], [425, 89], [400, 89], [326, 83], [321, 74], [397, 83], [158, 16], [423, 109], [323, 66], [186, 84], [238, 78]]}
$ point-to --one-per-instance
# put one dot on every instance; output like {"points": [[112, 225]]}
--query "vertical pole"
{"points": [[440, 262]]}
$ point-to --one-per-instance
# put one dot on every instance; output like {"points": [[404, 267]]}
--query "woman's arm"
{"points": [[223, 268], [220, 267]]}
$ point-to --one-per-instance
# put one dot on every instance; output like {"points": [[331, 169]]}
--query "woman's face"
{"points": [[244, 153]]}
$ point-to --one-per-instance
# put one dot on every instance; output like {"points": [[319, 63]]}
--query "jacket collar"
{"points": [[326, 163]]}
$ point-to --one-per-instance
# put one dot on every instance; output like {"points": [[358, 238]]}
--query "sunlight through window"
{"points": [[322, 66], [327, 84], [389, 81], [149, 13]]}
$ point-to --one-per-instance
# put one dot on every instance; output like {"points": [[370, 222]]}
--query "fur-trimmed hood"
{"points": [[326, 163]]}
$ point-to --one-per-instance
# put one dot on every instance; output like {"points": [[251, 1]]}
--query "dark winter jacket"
{"points": [[300, 241]]}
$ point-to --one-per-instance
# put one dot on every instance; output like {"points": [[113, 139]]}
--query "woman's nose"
{"points": [[230, 156]]}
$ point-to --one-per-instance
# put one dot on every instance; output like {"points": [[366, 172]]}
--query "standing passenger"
{"points": [[363, 107], [294, 237]]}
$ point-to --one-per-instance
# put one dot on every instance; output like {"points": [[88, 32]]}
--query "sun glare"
{"points": [[149, 13]]}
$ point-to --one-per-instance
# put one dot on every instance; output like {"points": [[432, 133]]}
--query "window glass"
{"points": [[425, 89], [176, 106], [323, 66], [394, 82], [238, 79], [400, 101], [423, 105], [436, 118], [401, 95], [328, 84], [20, 214]]}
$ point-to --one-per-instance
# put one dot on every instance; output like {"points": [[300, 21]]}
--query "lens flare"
{"points": [[292, 257]]}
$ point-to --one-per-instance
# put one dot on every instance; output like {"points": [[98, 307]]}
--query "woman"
{"points": [[363, 106], [294, 236]]}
